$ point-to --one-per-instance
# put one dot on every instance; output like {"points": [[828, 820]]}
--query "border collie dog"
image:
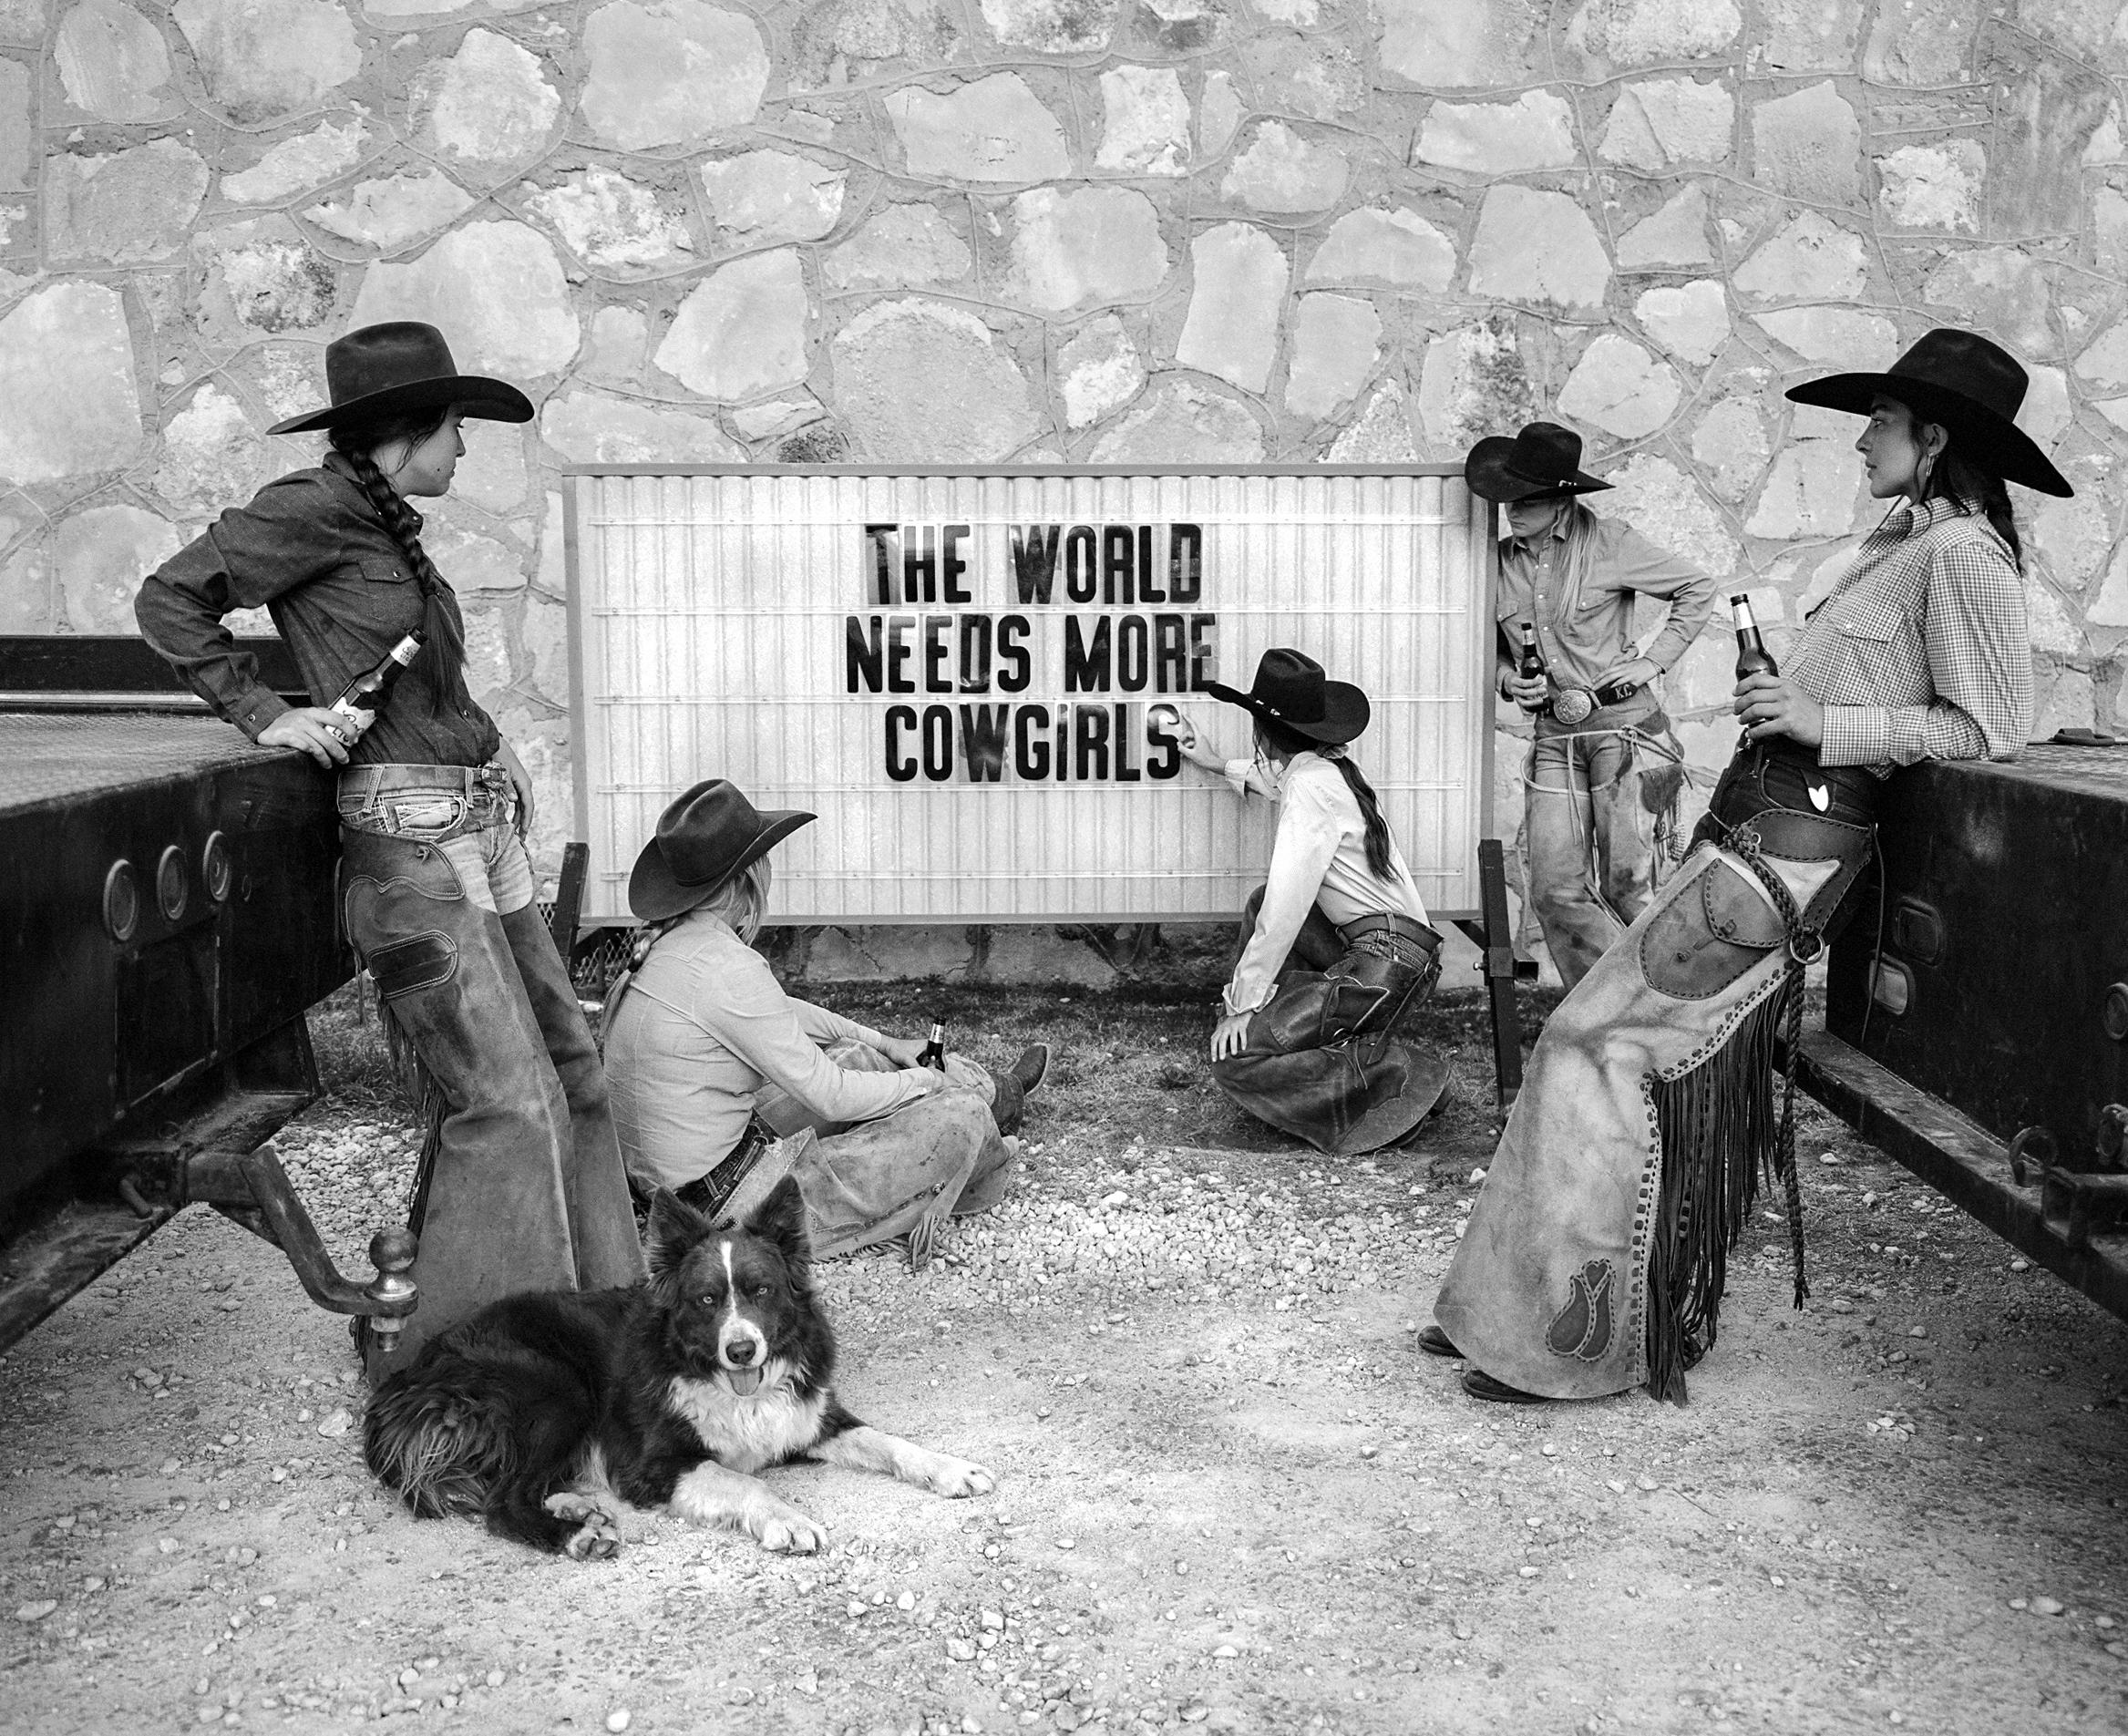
{"points": [[545, 1411]]}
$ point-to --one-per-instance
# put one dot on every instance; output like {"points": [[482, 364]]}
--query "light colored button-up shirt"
{"points": [[1319, 859], [1583, 631], [1922, 650], [703, 1027]]}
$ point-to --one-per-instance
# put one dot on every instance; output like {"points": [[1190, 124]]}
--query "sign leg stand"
{"points": [[1500, 968]]}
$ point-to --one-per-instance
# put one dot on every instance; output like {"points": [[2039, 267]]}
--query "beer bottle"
{"points": [[1751, 655], [1531, 667], [366, 693], [933, 1055]]}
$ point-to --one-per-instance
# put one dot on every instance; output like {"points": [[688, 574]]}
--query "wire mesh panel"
{"points": [[972, 678]]}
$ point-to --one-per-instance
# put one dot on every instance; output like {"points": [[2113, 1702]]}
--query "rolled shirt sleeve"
{"points": [[1310, 831]]}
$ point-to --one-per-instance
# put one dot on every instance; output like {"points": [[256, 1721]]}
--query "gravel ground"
{"points": [[1231, 1495]]}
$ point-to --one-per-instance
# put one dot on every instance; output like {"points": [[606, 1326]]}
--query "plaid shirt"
{"points": [[1922, 650]]}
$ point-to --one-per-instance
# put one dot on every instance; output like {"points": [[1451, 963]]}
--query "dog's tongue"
{"points": [[744, 1381]]}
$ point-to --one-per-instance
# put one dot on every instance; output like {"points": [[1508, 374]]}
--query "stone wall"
{"points": [[1033, 230]]}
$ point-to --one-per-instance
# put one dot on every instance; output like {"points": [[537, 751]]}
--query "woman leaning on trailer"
{"points": [[527, 1189], [1594, 1259]]}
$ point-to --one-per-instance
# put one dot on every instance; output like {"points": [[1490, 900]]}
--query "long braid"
{"points": [[443, 626], [1370, 809], [1290, 742]]}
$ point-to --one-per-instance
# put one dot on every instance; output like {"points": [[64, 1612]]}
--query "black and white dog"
{"points": [[545, 1411]]}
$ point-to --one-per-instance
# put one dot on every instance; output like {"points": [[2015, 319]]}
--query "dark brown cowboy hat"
{"points": [[1543, 459], [1291, 689], [401, 369], [1971, 387], [702, 840]]}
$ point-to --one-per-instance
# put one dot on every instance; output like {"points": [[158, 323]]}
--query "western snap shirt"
{"points": [[311, 549], [704, 1026], [1583, 629], [1319, 859], [1922, 650]]}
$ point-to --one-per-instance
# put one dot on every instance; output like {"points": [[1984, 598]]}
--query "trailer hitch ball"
{"points": [[392, 1252]]}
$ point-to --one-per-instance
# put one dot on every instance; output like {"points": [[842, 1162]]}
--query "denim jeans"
{"points": [[527, 1191]]}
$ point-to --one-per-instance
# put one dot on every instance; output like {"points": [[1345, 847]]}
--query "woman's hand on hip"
{"points": [[1775, 705], [520, 780], [1230, 1035], [315, 730]]}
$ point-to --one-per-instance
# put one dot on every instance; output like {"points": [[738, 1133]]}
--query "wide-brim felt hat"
{"points": [[402, 368], [709, 833], [1543, 459], [1971, 387], [1290, 689]]}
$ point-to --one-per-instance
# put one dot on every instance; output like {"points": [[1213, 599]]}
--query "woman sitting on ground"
{"points": [[722, 1084], [1334, 948], [1595, 1256]]}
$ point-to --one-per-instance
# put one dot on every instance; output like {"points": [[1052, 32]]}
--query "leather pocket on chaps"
{"points": [[1708, 936], [419, 962]]}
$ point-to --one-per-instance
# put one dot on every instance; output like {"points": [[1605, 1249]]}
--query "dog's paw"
{"points": [[598, 1532], [957, 1478], [786, 1531]]}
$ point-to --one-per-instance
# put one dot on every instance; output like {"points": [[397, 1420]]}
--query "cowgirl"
{"points": [[1594, 1259], [526, 1190], [1334, 947], [1599, 772]]}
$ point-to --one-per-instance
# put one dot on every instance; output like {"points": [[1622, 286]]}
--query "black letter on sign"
{"points": [[1131, 654], [1126, 772], [1081, 579], [1086, 665], [1118, 562], [1170, 659], [1034, 561], [1016, 665], [1031, 742], [936, 631], [865, 661], [886, 541], [899, 628], [1165, 759], [1090, 733], [938, 743], [920, 558], [1203, 651], [982, 742], [1185, 562], [899, 718], [974, 653], [951, 565]]}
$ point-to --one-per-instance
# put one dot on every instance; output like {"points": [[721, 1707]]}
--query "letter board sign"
{"points": [[971, 677]]}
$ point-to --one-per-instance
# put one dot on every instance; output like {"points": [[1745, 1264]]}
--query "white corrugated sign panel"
{"points": [[873, 647]]}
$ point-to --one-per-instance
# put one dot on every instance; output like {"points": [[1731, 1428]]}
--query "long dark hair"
{"points": [[1969, 486], [443, 626], [1289, 741]]}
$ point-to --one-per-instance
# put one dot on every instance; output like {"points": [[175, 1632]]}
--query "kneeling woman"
{"points": [[722, 1084], [1594, 1260], [1334, 947]]}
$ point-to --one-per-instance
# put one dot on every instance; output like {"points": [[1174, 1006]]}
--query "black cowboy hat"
{"points": [[1967, 386], [1290, 689], [401, 369], [1543, 459], [702, 840]]}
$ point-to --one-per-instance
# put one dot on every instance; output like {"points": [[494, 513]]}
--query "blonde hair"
{"points": [[742, 902]]}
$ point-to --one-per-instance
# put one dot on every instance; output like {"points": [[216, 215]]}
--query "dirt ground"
{"points": [[1231, 1494]]}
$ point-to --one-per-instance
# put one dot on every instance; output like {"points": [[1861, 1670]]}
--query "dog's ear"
{"points": [[676, 1227], [781, 1218]]}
